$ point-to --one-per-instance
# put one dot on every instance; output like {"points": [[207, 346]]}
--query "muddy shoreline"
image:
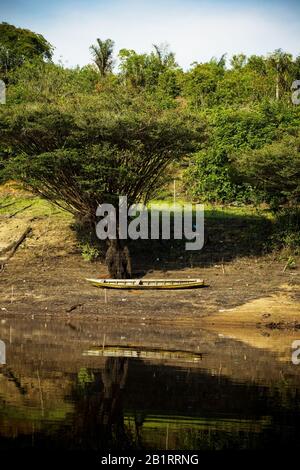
{"points": [[46, 279]]}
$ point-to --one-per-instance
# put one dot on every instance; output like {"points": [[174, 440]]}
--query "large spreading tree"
{"points": [[87, 149]]}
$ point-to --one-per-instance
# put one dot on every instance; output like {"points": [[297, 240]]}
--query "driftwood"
{"points": [[12, 247]]}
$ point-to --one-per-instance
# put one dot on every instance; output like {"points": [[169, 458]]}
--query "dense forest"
{"points": [[228, 129]]}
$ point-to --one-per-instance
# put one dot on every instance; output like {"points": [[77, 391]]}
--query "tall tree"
{"points": [[133, 67], [87, 150], [201, 81], [238, 61], [281, 62], [18, 45], [165, 57], [102, 53], [144, 70]]}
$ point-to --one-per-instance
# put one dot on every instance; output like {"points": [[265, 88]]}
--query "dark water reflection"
{"points": [[64, 387]]}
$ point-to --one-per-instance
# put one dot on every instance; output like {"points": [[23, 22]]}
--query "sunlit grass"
{"points": [[215, 211], [30, 206]]}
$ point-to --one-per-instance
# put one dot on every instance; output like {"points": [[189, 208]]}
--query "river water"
{"points": [[83, 385]]}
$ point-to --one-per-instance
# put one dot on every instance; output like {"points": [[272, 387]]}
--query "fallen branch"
{"points": [[285, 266], [18, 211], [70, 309], [7, 205], [7, 248], [13, 247]]}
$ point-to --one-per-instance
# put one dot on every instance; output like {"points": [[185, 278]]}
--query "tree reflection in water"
{"points": [[99, 416]]}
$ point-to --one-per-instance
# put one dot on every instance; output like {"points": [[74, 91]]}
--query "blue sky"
{"points": [[196, 30]]}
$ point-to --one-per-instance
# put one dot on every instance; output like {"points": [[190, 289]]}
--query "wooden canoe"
{"points": [[144, 353], [147, 283]]}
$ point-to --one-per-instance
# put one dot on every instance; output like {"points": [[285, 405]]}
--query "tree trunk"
{"points": [[277, 85], [118, 260]]}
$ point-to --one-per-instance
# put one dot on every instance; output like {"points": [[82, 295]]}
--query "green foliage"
{"points": [[84, 149], [286, 231], [281, 63], [213, 176], [37, 82], [85, 378], [83, 136], [103, 55], [274, 170], [145, 70], [242, 128], [89, 253], [201, 82], [168, 84], [208, 178], [18, 45], [248, 81]]}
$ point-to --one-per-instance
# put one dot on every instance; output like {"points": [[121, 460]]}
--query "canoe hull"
{"points": [[144, 353], [147, 284]]}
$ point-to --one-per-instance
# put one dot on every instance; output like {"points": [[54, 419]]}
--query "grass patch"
{"points": [[31, 207]]}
